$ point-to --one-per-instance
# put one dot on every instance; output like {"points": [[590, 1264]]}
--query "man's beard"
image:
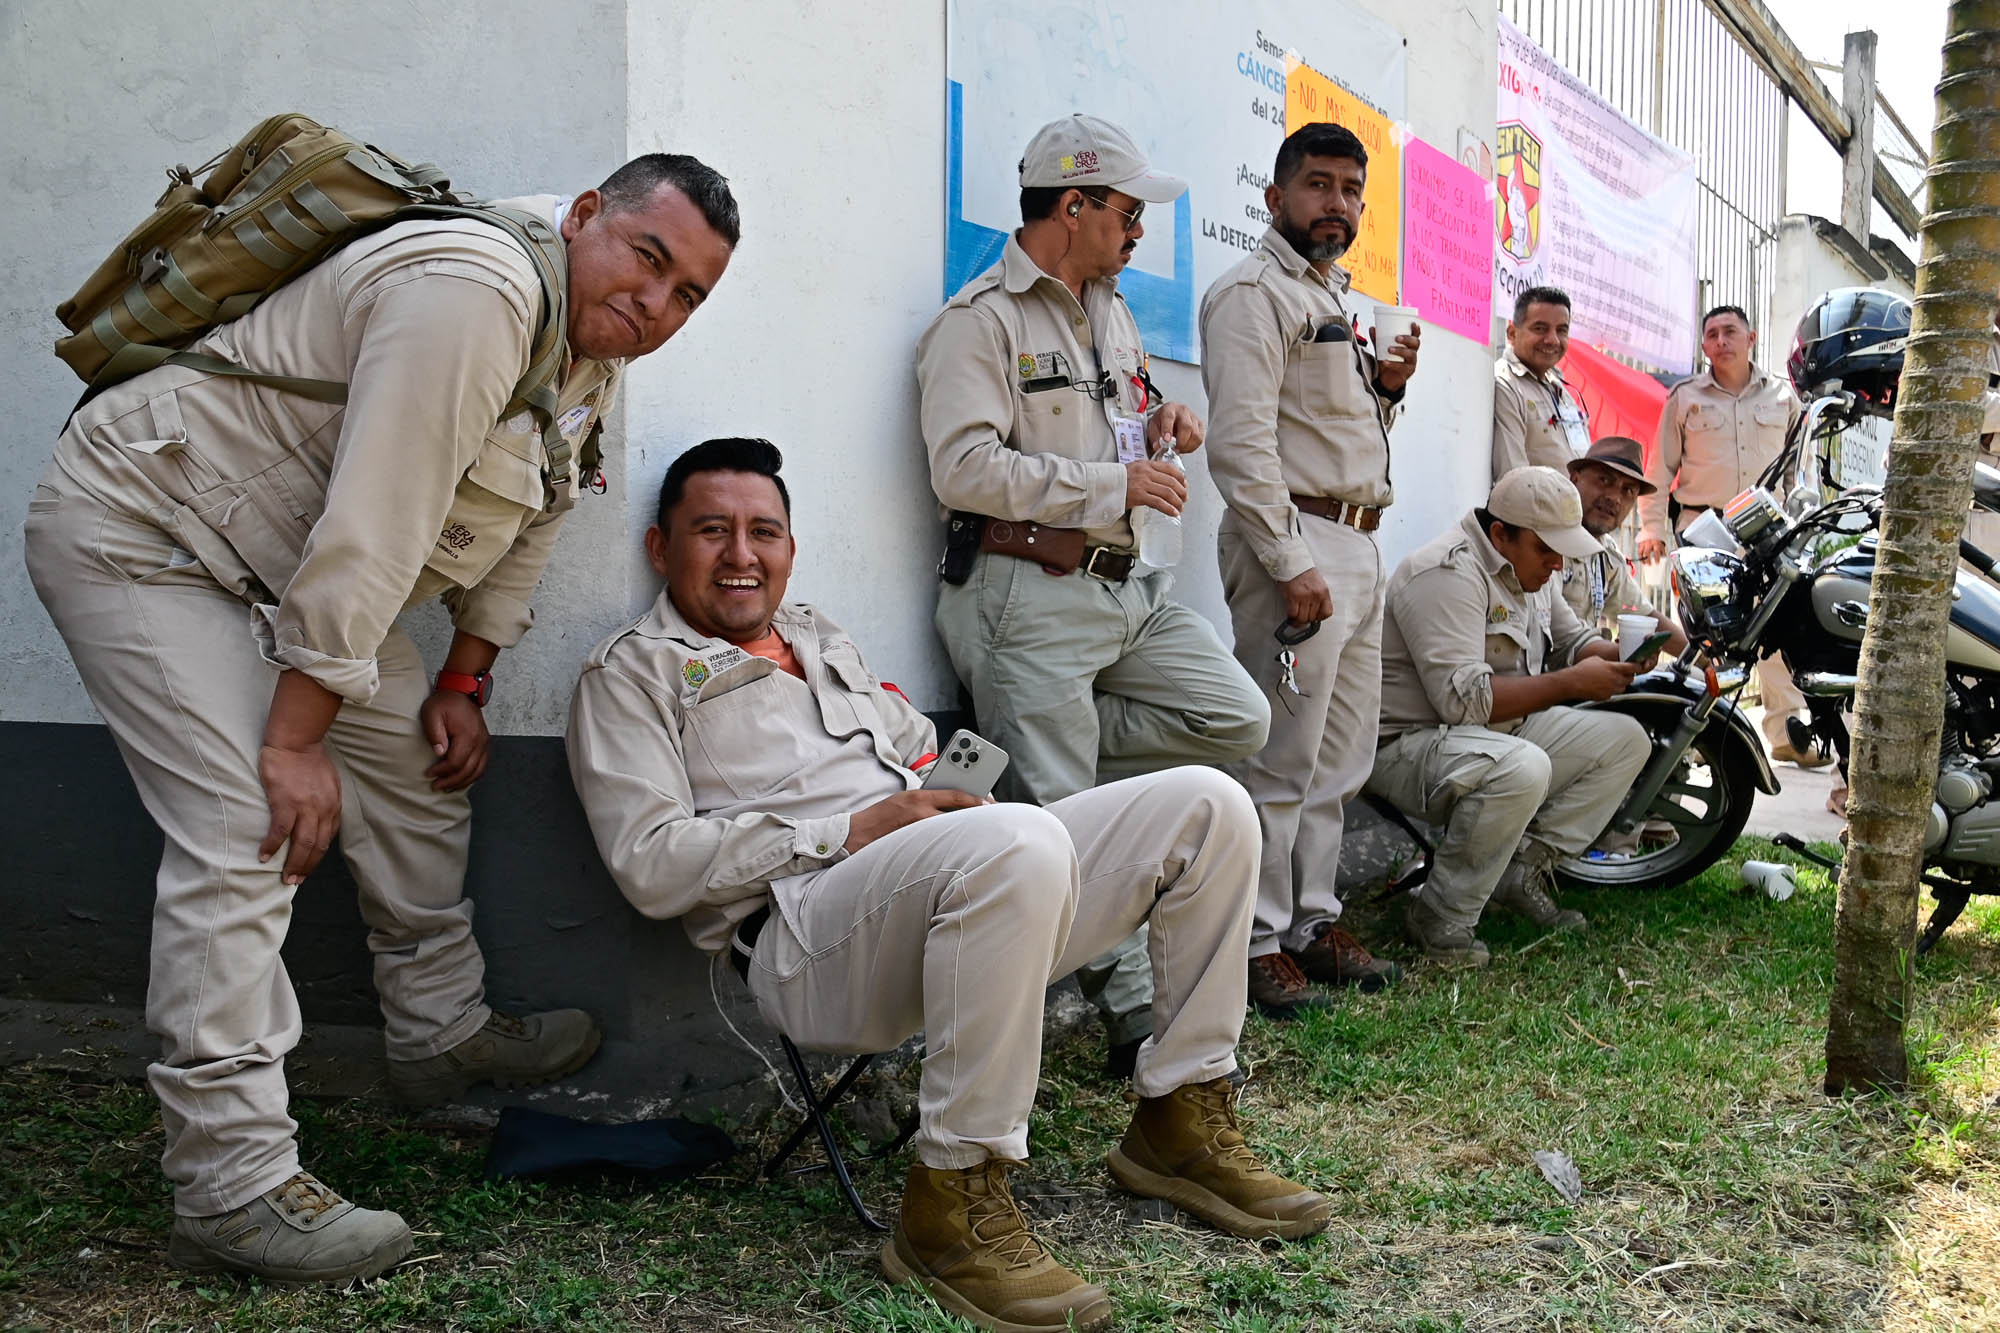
{"points": [[1312, 251]]}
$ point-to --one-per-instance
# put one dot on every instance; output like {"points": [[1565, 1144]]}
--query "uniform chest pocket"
{"points": [[1705, 421], [1326, 381], [859, 694], [1061, 421], [747, 740], [1507, 649], [1774, 416]]}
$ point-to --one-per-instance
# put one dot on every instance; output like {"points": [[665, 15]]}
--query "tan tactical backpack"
{"points": [[290, 193]]}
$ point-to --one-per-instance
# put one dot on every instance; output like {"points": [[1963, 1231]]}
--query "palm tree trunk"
{"points": [[1900, 704]]}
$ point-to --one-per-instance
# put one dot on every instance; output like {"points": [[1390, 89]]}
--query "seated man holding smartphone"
{"points": [[743, 770], [1480, 658]]}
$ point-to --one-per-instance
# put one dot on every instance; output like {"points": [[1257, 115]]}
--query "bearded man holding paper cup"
{"points": [[1298, 443]]}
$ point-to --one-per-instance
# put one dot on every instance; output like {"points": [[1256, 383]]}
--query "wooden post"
{"points": [[1857, 155]]}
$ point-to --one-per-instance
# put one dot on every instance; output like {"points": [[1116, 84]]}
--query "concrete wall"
{"points": [[832, 129]]}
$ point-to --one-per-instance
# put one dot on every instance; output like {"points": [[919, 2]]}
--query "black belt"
{"points": [[1102, 562], [744, 942]]}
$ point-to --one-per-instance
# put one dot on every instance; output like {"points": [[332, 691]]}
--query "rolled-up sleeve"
{"points": [[967, 415], [1243, 371], [626, 761], [1442, 616], [440, 345]]}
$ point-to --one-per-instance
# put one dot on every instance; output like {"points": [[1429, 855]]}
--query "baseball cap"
{"points": [[1082, 150], [1545, 502], [1621, 454]]}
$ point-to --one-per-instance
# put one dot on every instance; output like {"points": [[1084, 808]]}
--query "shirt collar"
{"points": [[788, 616], [1018, 272], [1497, 566], [1520, 367]]}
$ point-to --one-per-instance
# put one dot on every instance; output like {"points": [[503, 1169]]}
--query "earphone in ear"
{"points": [[1075, 210]]}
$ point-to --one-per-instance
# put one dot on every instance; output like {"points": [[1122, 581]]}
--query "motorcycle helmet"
{"points": [[1855, 335]]}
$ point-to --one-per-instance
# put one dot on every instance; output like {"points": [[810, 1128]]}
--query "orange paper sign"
{"points": [[1372, 262]]}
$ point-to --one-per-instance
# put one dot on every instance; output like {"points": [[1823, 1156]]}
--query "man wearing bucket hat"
{"points": [[1480, 658], [1041, 423], [1599, 588]]}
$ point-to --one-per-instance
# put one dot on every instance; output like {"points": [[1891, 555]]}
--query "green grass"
{"points": [[1674, 1052]]}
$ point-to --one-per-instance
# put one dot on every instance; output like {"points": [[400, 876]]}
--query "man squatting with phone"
{"points": [[743, 770]]}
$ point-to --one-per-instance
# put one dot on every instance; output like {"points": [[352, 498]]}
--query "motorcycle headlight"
{"points": [[1712, 588]]}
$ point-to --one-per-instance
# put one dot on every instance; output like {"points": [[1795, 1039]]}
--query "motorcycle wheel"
{"points": [[1707, 800]]}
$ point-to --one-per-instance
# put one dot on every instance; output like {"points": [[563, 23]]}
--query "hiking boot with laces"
{"points": [[298, 1232], [963, 1239], [1445, 945], [1336, 958], [1525, 891], [1186, 1148], [507, 1052], [1280, 990]]}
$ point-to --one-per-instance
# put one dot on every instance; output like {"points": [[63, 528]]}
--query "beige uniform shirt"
{"points": [[1456, 617], [1602, 588], [330, 520], [1008, 435], [1712, 443], [1288, 415], [714, 779], [1536, 420]]}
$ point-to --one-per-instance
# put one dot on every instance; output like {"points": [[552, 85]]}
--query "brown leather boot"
{"points": [[1186, 1148], [962, 1237]]}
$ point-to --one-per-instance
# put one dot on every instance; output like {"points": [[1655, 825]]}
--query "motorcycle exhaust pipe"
{"points": [[1827, 684]]}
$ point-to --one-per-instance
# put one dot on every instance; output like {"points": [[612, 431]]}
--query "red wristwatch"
{"points": [[477, 688]]}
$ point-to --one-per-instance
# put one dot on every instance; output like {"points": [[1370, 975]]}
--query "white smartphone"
{"points": [[968, 763]]}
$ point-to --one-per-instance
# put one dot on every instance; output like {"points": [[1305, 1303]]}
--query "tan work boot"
{"points": [[507, 1052], [298, 1232], [1525, 891], [962, 1238], [1447, 946], [1186, 1148]]}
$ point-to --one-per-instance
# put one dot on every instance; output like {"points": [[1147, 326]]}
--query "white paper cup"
{"points": [[1632, 631], [1774, 879], [1391, 322]]}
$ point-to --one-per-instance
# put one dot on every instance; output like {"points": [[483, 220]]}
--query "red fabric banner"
{"points": [[1619, 399]]}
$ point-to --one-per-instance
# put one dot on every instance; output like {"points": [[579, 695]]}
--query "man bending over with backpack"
{"points": [[743, 770], [226, 560]]}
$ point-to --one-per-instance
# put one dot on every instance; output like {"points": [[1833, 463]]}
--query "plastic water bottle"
{"points": [[1159, 534]]}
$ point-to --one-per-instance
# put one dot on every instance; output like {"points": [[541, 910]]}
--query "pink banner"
{"points": [[1447, 242]]}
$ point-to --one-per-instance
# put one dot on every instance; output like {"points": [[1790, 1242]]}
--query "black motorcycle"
{"points": [[1793, 576]]}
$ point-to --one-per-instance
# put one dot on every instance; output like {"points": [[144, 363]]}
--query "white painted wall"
{"points": [[830, 126], [101, 96]]}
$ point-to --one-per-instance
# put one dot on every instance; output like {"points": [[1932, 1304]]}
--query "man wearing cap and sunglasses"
{"points": [[1480, 656], [1042, 425]]}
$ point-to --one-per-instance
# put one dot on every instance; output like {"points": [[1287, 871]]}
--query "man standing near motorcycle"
{"points": [[1718, 431], [1476, 734]]}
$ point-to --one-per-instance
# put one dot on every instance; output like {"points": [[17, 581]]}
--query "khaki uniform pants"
{"points": [[955, 926], [167, 656], [1542, 790], [1322, 745], [1077, 679]]}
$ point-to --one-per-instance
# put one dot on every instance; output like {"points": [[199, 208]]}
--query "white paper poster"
{"points": [[1588, 202], [1202, 88]]}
